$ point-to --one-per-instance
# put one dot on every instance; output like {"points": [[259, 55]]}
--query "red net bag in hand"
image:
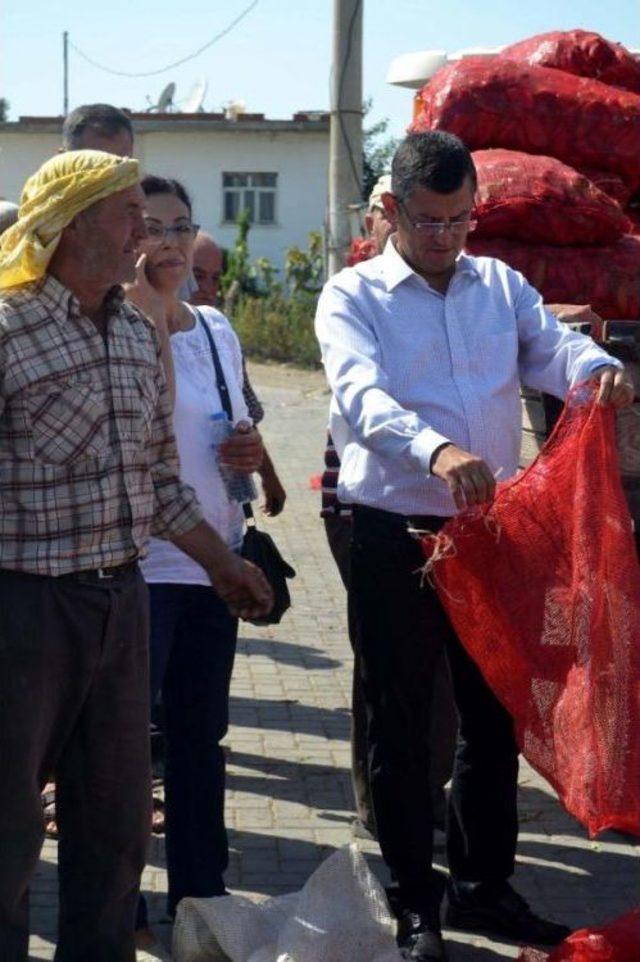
{"points": [[580, 52], [489, 102], [607, 278], [543, 590], [539, 199], [619, 941]]}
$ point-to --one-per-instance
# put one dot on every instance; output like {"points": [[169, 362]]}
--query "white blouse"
{"points": [[197, 400]]}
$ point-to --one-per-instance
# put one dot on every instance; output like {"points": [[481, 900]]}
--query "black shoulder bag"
{"points": [[257, 546]]}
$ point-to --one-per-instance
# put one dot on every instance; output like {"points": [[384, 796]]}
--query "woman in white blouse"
{"points": [[193, 635]]}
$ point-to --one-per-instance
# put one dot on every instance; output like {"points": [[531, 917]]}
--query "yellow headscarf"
{"points": [[51, 198]]}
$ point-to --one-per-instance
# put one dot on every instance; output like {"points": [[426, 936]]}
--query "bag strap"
{"points": [[225, 400], [221, 381]]}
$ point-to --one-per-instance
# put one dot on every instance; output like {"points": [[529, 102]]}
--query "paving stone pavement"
{"points": [[289, 798]]}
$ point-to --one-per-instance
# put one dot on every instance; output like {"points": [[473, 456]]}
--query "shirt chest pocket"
{"points": [[135, 398], [146, 394], [69, 421]]}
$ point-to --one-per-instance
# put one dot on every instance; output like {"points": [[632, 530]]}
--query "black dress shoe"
{"points": [[419, 937], [495, 908]]}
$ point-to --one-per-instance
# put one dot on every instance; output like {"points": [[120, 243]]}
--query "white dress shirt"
{"points": [[411, 369]]}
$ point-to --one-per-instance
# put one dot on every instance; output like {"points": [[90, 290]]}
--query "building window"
{"points": [[255, 193]]}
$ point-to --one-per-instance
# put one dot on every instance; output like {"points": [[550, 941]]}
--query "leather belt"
{"points": [[104, 574]]}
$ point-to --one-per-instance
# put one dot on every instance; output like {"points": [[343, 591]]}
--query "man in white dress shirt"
{"points": [[425, 349]]}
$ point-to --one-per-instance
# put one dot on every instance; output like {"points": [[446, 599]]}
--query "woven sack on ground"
{"points": [[340, 915]]}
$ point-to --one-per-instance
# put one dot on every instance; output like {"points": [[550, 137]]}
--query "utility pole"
{"points": [[65, 72], [345, 140]]}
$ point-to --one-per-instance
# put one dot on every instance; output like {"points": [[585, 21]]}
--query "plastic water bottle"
{"points": [[238, 485]]}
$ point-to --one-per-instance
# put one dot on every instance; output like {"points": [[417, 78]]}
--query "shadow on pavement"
{"points": [[286, 653], [289, 715], [43, 901]]}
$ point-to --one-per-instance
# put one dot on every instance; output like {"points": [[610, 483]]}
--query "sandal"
{"points": [[48, 799], [157, 816]]}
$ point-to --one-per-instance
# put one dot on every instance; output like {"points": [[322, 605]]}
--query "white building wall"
{"points": [[20, 156], [198, 159]]}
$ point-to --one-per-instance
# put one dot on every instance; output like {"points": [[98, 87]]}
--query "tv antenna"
{"points": [[193, 103], [165, 100]]}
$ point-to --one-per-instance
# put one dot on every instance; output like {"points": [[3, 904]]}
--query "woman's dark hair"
{"points": [[434, 159], [164, 185]]}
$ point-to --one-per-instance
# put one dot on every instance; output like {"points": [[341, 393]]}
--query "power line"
{"points": [[177, 63]]}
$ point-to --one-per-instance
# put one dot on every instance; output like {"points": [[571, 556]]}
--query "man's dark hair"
{"points": [[101, 119], [434, 159], [164, 185]]}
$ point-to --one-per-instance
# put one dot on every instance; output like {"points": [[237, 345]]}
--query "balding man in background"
{"points": [[98, 127], [208, 268]]}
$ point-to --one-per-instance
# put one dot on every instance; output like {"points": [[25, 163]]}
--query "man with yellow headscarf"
{"points": [[88, 467]]}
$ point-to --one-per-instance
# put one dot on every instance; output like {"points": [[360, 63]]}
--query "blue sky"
{"points": [[277, 60]]}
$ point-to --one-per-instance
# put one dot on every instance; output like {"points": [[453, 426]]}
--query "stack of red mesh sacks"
{"points": [[557, 197]]}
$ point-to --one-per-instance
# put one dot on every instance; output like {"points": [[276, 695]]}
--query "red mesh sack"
{"points": [[633, 213], [361, 249], [607, 278], [543, 589], [619, 941], [499, 103], [609, 183], [539, 199], [579, 52]]}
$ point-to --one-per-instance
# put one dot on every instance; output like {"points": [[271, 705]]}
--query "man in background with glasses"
{"points": [[424, 349]]}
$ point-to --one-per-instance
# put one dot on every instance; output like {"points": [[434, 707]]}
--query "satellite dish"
{"points": [[165, 100], [193, 103]]}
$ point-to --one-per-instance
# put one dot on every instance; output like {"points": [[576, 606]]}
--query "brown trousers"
{"points": [[442, 738], [74, 703]]}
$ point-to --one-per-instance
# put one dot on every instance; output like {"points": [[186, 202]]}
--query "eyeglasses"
{"points": [[434, 225], [181, 232]]}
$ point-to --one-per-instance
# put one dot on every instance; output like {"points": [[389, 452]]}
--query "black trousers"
{"points": [[74, 702], [445, 723], [400, 632], [193, 646]]}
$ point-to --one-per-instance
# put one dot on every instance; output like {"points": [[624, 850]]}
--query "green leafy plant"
{"points": [[274, 322], [239, 268], [377, 150], [278, 328], [304, 269]]}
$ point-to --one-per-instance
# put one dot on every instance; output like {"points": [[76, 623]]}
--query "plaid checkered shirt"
{"points": [[88, 461]]}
